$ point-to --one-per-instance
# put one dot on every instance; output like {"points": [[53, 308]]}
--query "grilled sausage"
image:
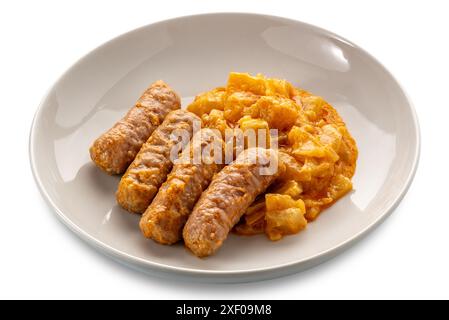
{"points": [[114, 150], [149, 169], [165, 217], [226, 199]]}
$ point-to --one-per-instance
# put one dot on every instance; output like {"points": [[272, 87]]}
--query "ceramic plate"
{"points": [[194, 54]]}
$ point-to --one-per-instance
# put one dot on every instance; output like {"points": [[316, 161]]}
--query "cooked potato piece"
{"points": [[293, 169], [314, 207], [252, 138], [236, 103], [330, 136], [305, 144], [207, 101], [246, 83], [312, 106], [290, 188], [283, 216], [247, 122], [215, 120], [260, 85], [280, 113], [274, 202], [317, 110], [279, 87], [340, 185]]}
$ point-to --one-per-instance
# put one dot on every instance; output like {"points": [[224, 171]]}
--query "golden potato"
{"points": [[280, 113], [340, 185], [251, 127], [247, 122], [330, 136], [306, 145], [208, 101], [245, 83], [236, 103], [279, 87], [293, 168], [290, 188], [215, 120], [283, 216]]}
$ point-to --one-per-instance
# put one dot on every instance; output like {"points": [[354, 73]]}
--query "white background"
{"points": [[406, 257]]}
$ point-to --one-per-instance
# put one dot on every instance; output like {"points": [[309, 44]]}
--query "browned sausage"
{"points": [[149, 169], [165, 217], [114, 150], [226, 199]]}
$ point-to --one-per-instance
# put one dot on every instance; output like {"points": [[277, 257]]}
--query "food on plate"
{"points": [[252, 123], [164, 219], [152, 164], [314, 143], [227, 198], [115, 149]]}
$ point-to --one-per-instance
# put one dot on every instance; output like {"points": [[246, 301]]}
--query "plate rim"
{"points": [[252, 274]]}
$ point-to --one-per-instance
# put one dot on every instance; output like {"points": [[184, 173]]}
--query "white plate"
{"points": [[194, 54]]}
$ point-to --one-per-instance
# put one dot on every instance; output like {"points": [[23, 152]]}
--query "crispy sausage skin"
{"points": [[114, 150], [149, 169], [164, 219], [226, 199]]}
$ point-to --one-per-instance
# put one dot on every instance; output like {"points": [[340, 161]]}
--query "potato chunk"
{"points": [[283, 216], [236, 103], [280, 113], [208, 101], [290, 188], [305, 144], [279, 87], [245, 82], [215, 120], [254, 130]]}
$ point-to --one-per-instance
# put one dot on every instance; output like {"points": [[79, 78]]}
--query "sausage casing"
{"points": [[114, 150], [149, 169], [164, 219], [226, 199]]}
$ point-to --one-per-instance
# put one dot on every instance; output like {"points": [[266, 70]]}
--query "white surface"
{"points": [[406, 257], [99, 89]]}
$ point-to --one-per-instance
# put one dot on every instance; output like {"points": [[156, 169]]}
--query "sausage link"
{"points": [[149, 169], [165, 217], [226, 199], [114, 150]]}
